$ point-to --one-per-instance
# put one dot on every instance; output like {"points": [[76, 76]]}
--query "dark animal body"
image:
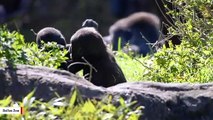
{"points": [[139, 30], [50, 34], [123, 8], [88, 48]]}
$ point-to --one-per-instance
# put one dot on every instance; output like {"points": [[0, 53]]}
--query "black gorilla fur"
{"points": [[90, 54], [139, 30], [123, 8], [90, 23], [50, 34]]}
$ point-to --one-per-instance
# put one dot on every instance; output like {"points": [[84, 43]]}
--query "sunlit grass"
{"points": [[74, 108]]}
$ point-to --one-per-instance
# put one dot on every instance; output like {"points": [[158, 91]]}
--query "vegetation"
{"points": [[62, 108], [14, 50], [192, 61]]}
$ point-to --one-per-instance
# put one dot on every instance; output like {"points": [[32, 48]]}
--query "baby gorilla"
{"points": [[90, 54], [50, 34], [139, 30]]}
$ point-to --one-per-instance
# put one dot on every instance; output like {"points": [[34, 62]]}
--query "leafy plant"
{"points": [[50, 55], [13, 50], [73, 109], [11, 47], [192, 61]]}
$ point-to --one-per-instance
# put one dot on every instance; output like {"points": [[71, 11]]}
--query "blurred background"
{"points": [[66, 15]]}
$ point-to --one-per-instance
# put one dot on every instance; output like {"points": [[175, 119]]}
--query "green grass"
{"points": [[170, 65], [131, 67], [67, 109], [14, 50], [191, 62]]}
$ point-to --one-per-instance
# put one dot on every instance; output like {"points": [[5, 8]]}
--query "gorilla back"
{"points": [[50, 34], [88, 48], [138, 29]]}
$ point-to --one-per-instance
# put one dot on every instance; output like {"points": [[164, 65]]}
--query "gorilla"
{"points": [[123, 8], [140, 30], [90, 23], [50, 34], [90, 54]]}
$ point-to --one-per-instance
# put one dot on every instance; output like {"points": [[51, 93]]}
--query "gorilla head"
{"points": [[50, 34], [89, 51], [90, 23], [138, 29]]}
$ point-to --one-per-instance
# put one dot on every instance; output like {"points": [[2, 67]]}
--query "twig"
{"points": [[85, 63], [91, 67], [33, 31]]}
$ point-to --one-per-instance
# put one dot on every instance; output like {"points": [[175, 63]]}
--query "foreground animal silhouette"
{"points": [[90, 54]]}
